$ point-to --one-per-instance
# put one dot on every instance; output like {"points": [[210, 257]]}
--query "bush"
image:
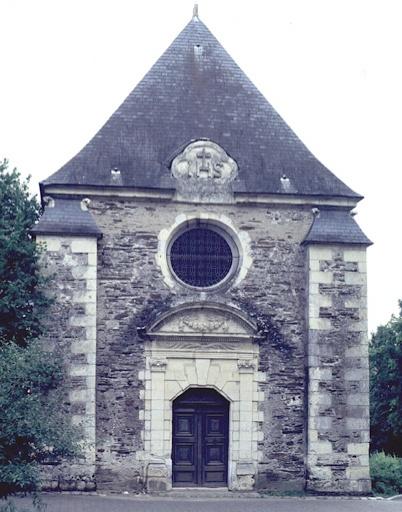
{"points": [[34, 428], [386, 387], [386, 473]]}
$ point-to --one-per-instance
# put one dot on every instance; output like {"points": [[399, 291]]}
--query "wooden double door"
{"points": [[200, 439]]}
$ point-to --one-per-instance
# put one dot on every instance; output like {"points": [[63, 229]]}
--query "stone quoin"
{"points": [[210, 293]]}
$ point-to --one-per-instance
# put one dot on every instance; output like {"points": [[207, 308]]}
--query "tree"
{"points": [[33, 426], [386, 387], [22, 301]]}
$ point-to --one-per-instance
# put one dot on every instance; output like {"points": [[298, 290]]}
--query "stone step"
{"points": [[205, 493]]}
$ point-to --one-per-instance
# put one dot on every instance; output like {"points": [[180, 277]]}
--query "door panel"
{"points": [[200, 439], [184, 447], [215, 447]]}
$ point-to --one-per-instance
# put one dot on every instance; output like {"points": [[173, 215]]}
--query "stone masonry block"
{"points": [[84, 245], [90, 406], [356, 374], [320, 398], [353, 302], [81, 395], [322, 423], [83, 347], [356, 424], [324, 374], [358, 411], [358, 472], [358, 448], [84, 272], [321, 277], [83, 296], [355, 278], [52, 243], [321, 324], [362, 265], [358, 326], [320, 447], [320, 253], [312, 435], [82, 321], [358, 255], [358, 399], [84, 370], [92, 259], [90, 309], [91, 285], [357, 351]]}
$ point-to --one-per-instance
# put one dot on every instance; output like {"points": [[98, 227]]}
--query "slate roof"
{"points": [[194, 91], [335, 226], [66, 217]]}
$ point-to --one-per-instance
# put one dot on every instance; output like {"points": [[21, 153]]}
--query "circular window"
{"points": [[201, 257]]}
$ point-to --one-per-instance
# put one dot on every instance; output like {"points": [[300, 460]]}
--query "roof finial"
{"points": [[195, 11]]}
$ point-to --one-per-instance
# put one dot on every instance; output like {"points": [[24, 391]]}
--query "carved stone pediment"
{"points": [[207, 321]]}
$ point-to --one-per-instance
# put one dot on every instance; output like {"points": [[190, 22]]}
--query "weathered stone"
{"points": [[282, 337], [331, 428]]}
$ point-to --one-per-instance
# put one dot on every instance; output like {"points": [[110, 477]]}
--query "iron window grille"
{"points": [[201, 257]]}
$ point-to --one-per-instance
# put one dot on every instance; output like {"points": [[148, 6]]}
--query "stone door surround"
{"points": [[202, 345]]}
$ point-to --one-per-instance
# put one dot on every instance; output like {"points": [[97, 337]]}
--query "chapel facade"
{"points": [[210, 293]]}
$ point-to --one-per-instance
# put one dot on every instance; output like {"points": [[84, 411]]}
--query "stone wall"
{"points": [[133, 291], [71, 333], [337, 361], [109, 291]]}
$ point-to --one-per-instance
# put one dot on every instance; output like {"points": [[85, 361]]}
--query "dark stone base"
{"points": [[68, 485], [108, 480], [266, 483], [340, 488]]}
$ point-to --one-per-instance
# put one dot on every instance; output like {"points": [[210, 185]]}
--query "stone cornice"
{"points": [[169, 195]]}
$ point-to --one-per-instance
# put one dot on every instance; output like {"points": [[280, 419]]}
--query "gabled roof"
{"points": [[335, 226], [196, 91]]}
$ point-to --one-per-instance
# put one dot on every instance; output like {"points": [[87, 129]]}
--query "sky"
{"points": [[331, 68]]}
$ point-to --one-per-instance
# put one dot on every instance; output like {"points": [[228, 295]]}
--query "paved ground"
{"points": [[92, 503]]}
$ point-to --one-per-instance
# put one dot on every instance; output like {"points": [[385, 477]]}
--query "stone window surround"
{"points": [[238, 240], [228, 237]]}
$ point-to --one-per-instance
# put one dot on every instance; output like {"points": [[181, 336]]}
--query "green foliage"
{"points": [[33, 426], [386, 387], [22, 301], [386, 474]]}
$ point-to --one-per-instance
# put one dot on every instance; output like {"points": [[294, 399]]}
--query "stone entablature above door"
{"points": [[206, 321]]}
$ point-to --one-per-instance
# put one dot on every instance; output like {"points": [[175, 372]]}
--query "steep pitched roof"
{"points": [[335, 226], [67, 217], [195, 91]]}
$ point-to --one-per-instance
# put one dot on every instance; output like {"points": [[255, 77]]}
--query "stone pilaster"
{"points": [[72, 331], [337, 362]]}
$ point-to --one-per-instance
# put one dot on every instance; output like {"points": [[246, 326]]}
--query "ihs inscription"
{"points": [[206, 160]]}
